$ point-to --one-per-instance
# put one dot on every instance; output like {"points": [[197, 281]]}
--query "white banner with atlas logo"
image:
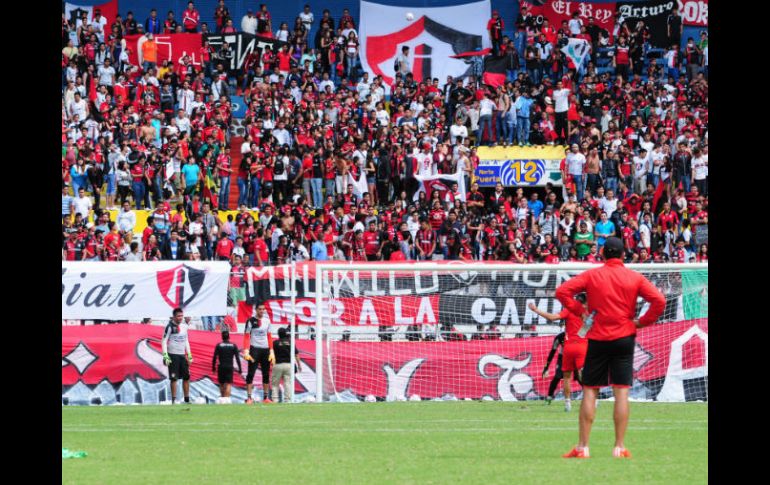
{"points": [[136, 290], [433, 34]]}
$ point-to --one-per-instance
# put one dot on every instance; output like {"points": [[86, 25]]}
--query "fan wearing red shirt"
{"points": [[575, 346], [372, 242], [437, 216], [190, 19], [612, 291], [358, 247], [224, 248], [668, 219]]}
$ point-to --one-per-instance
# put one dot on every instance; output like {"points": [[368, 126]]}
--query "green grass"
{"points": [[406, 442]]}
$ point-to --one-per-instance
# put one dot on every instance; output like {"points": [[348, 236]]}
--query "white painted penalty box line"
{"points": [[514, 429]]}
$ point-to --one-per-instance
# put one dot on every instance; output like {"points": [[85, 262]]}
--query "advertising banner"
{"points": [[136, 290], [515, 166], [123, 363]]}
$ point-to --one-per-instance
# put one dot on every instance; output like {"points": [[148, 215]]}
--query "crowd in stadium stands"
{"points": [[157, 137]]}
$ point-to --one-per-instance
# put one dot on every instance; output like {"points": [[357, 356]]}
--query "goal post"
{"points": [[453, 330]]}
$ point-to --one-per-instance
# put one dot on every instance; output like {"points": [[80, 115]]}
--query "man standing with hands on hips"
{"points": [[612, 291]]}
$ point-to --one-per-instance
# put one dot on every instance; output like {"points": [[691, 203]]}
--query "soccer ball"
{"points": [[414, 397], [370, 398], [410, 16]]}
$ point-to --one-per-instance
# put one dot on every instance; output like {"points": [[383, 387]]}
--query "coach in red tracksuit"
{"points": [[612, 291]]}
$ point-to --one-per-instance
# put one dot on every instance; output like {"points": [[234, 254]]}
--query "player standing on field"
{"points": [[258, 339], [282, 367], [612, 291], [558, 345], [174, 345], [575, 346], [225, 351]]}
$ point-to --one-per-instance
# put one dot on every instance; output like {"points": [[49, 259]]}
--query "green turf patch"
{"points": [[406, 442]]}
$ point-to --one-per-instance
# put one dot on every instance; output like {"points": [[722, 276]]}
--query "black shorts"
{"points": [[225, 375], [610, 362], [179, 368], [262, 360]]}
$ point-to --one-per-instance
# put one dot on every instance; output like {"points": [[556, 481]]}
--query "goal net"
{"points": [[445, 331]]}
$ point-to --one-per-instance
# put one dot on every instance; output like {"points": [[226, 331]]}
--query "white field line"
{"points": [[517, 429], [557, 420]]}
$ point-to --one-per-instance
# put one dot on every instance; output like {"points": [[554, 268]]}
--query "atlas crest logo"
{"points": [[431, 43], [180, 285]]}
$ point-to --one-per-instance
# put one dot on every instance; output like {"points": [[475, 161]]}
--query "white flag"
{"points": [[577, 50]]}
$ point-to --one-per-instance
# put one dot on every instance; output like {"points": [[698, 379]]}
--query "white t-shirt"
{"points": [[282, 136], [424, 163], [456, 131], [282, 35], [640, 167], [608, 206], [575, 163], [699, 168], [106, 75], [307, 19], [82, 206], [78, 108], [561, 100], [383, 118], [487, 106], [644, 233]]}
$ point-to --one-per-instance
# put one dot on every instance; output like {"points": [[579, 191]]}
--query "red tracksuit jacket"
{"points": [[612, 290]]}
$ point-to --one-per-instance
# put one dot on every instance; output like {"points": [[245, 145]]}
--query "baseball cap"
{"points": [[613, 248]]}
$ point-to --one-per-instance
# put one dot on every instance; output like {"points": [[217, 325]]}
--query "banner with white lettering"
{"points": [[147, 289], [242, 45], [433, 35], [653, 13], [110, 364], [387, 297], [694, 12]]}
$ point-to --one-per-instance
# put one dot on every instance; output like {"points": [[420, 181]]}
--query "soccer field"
{"points": [[400, 442]]}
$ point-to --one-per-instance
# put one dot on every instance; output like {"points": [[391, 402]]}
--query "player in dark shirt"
{"points": [[225, 351], [558, 344], [282, 367]]}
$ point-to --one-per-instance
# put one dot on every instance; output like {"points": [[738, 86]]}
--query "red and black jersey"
{"points": [[348, 201], [437, 217], [371, 242], [358, 249], [426, 238], [668, 221]]}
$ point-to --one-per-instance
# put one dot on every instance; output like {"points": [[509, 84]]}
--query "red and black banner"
{"points": [[123, 363]]}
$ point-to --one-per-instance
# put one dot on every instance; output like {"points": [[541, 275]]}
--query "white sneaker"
{"points": [[567, 406]]}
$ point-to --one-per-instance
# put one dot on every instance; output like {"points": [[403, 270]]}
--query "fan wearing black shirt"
{"points": [[282, 367], [225, 352]]}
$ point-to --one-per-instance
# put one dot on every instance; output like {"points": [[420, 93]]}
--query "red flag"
{"points": [[244, 311], [658, 194]]}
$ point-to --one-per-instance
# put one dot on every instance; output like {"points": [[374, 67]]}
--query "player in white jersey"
{"points": [[174, 345], [259, 341]]}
